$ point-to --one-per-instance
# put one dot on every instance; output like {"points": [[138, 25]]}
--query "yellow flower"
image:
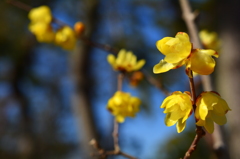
{"points": [[42, 31], [40, 14], [126, 61], [178, 108], [201, 61], [211, 108], [176, 50], [209, 39], [123, 105], [179, 51], [65, 37]]}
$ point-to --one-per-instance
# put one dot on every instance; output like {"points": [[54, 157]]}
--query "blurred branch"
{"points": [[189, 18]]}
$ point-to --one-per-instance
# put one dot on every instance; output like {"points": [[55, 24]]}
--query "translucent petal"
{"points": [[139, 65], [220, 120], [162, 47], [182, 36], [186, 115], [202, 63], [209, 125], [163, 66], [40, 14], [210, 52], [175, 115], [200, 122], [111, 59], [202, 109], [168, 121], [121, 57], [180, 125], [173, 58]]}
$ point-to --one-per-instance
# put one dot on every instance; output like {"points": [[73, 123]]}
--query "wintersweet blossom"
{"points": [[201, 61], [126, 61], [65, 37], [123, 105], [178, 108], [42, 31], [209, 39], [40, 14], [40, 24], [179, 51], [176, 50], [211, 108]]}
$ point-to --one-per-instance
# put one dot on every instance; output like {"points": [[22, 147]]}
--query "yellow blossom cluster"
{"points": [[210, 107], [40, 25], [178, 51], [126, 61], [123, 105]]}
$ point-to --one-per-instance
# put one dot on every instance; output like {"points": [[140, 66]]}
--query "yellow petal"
{"points": [[200, 122], [168, 121], [139, 65], [40, 14], [120, 119], [65, 37], [209, 125], [180, 125], [121, 57], [164, 49], [163, 66], [111, 59], [202, 63], [182, 36], [220, 120], [210, 52], [202, 109]]}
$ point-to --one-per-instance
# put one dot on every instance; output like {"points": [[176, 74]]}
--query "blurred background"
{"points": [[53, 102]]}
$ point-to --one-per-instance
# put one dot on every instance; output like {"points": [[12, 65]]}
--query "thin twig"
{"points": [[199, 131], [115, 137], [155, 82]]}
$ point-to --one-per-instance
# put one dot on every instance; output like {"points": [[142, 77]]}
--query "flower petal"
{"points": [[111, 59], [209, 125], [139, 65], [202, 109], [201, 62], [168, 121], [180, 125], [163, 66], [164, 49], [220, 120]]}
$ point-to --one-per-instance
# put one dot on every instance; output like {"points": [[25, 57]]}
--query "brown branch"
{"points": [[199, 131]]}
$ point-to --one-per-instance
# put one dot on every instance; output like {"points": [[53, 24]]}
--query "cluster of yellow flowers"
{"points": [[40, 25], [210, 107], [123, 105], [178, 51]]}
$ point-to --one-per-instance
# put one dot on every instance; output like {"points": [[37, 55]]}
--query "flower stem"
{"points": [[199, 131]]}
